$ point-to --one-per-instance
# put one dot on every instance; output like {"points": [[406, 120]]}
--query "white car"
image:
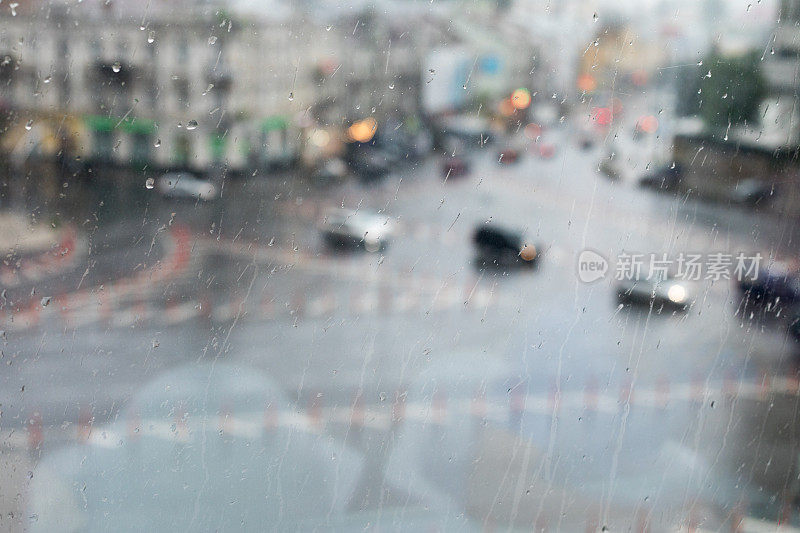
{"points": [[660, 290], [185, 185], [354, 229]]}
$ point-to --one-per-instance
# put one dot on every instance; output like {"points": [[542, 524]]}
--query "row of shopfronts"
{"points": [[137, 142]]}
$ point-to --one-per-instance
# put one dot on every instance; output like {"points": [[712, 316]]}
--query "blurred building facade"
{"points": [[200, 84], [766, 151], [166, 88]]}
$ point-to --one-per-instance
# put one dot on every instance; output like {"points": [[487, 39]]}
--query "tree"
{"points": [[731, 89]]}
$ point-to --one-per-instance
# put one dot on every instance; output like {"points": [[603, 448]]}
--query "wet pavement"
{"points": [[222, 343]]}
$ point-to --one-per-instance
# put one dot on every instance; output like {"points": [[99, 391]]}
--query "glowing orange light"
{"points": [[639, 77], [602, 116], [506, 108], [521, 98], [363, 130], [587, 83], [648, 124], [533, 131], [616, 106]]}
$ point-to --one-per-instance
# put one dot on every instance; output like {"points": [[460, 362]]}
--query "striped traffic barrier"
{"points": [[85, 421], [399, 408], [225, 423], [315, 411], [270, 418], [439, 406], [478, 407], [662, 392], [516, 404], [134, 425], [590, 394], [35, 432]]}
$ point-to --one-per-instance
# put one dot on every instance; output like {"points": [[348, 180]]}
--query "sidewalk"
{"points": [[22, 237]]}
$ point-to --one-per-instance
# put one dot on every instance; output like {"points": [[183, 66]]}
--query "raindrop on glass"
{"points": [[191, 125], [149, 183], [116, 67], [47, 79], [291, 96], [157, 143], [45, 301], [151, 37], [29, 125], [212, 39]]}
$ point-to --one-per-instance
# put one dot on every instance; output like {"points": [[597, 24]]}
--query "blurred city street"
{"points": [[400, 265], [452, 388]]}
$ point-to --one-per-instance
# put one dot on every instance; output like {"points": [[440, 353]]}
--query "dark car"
{"points": [[370, 164], [496, 246], [794, 325], [508, 156], [331, 171], [753, 192], [776, 283], [664, 178], [454, 167]]}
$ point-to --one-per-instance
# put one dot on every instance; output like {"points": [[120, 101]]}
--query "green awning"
{"points": [[138, 126], [275, 122], [128, 125], [99, 123], [217, 147]]}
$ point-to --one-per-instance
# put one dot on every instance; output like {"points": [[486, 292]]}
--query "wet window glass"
{"points": [[399, 265]]}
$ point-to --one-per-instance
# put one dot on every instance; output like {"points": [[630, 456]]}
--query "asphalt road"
{"points": [[398, 391]]}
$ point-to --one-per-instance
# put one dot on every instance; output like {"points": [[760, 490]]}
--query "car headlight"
{"points": [[677, 294]]}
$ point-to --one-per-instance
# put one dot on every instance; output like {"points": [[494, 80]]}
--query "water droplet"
{"points": [[191, 125], [708, 75], [116, 67], [151, 37], [157, 143], [391, 86], [212, 39], [700, 63], [328, 27], [291, 96], [47, 79], [208, 89], [149, 183], [13, 7], [594, 17], [29, 125], [45, 301], [271, 241]]}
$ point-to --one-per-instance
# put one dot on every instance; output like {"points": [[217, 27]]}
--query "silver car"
{"points": [[357, 229], [186, 185], [660, 290]]}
